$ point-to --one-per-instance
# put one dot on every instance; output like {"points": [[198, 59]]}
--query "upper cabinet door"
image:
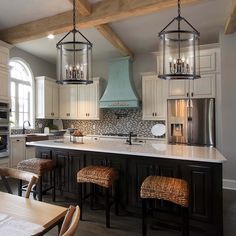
{"points": [[4, 85], [68, 101], [208, 60], [154, 98], [88, 101], [178, 88], [148, 97], [47, 98], [204, 87]]}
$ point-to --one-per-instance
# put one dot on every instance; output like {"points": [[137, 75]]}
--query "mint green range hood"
{"points": [[119, 92]]}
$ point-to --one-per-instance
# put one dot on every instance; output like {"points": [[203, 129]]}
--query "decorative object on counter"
{"points": [[46, 130], [179, 50], [74, 64], [77, 137], [158, 130]]}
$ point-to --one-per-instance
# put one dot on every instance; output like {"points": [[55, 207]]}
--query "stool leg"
{"points": [[54, 186], [107, 208], [40, 188], [185, 221], [144, 217], [80, 203], [117, 198], [20, 188], [92, 195]]}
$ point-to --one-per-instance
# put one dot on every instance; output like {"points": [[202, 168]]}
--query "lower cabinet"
{"points": [[204, 179], [17, 150]]}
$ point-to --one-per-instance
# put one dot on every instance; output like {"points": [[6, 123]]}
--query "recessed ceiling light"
{"points": [[50, 36]]}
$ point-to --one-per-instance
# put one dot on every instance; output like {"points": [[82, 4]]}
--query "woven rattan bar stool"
{"points": [[169, 189], [40, 167], [102, 176]]}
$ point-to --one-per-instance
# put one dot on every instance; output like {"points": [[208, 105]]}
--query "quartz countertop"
{"points": [[150, 149]]}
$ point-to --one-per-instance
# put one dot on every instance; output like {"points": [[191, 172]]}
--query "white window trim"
{"points": [[33, 90]]}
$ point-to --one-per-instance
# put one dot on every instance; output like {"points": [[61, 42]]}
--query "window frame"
{"points": [[32, 97]]}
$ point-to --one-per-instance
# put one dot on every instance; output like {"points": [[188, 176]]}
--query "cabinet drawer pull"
{"points": [[187, 94], [155, 114], [192, 94]]}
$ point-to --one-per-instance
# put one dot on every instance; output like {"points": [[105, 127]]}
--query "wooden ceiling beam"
{"points": [[230, 26], [102, 12], [85, 9]]}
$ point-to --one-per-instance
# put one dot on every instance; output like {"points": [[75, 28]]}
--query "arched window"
{"points": [[21, 93]]}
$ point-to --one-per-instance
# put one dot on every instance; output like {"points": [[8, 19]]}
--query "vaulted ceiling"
{"points": [[124, 32]]}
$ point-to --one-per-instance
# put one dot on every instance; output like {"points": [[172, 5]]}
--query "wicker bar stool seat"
{"points": [[102, 176], [40, 167], [169, 189]]}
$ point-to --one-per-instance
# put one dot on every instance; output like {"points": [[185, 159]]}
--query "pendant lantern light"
{"points": [[179, 50], [74, 57]]}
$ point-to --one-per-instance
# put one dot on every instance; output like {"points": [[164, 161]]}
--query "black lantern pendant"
{"points": [[74, 62], [179, 50]]}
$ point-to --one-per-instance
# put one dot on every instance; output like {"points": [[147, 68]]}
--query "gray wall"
{"points": [[228, 75], [38, 66], [142, 63]]}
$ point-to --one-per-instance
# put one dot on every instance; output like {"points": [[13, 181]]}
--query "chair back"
{"points": [[18, 174], [70, 222]]}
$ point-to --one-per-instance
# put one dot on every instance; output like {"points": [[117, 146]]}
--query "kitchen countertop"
{"points": [[150, 149]]}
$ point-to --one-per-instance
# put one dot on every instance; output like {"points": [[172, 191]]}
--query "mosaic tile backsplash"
{"points": [[112, 121], [115, 121]]}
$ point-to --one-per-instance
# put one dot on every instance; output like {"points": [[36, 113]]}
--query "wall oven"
{"points": [[4, 113], [4, 140]]}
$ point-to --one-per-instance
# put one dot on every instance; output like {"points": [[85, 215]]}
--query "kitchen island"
{"points": [[200, 166]]}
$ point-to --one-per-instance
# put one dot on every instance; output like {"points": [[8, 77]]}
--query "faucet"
{"points": [[129, 140], [24, 129]]}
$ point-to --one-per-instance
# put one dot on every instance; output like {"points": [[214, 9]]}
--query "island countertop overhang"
{"points": [[151, 149]]}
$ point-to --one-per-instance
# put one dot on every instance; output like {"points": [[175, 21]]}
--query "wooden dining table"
{"points": [[30, 210]]}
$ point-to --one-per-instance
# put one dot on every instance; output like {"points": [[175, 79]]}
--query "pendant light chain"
{"points": [[74, 16], [179, 9]]}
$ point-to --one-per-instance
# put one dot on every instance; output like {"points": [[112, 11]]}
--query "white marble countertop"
{"points": [[150, 149]]}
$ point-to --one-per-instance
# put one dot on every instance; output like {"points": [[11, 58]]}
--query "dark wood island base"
{"points": [[204, 179]]}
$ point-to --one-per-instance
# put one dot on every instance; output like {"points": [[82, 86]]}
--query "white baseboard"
{"points": [[229, 184]]}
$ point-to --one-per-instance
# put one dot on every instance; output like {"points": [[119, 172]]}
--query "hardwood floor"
{"points": [[94, 221]]}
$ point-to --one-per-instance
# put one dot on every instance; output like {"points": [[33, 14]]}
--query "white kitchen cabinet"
{"points": [[17, 150], [4, 72], [153, 98], [88, 101], [68, 96], [4, 162], [47, 98], [30, 152]]}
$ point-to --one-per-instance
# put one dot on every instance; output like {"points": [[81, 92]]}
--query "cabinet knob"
{"points": [[187, 94], [192, 94], [155, 114]]}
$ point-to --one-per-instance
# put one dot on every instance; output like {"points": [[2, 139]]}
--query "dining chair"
{"points": [[70, 222], [20, 175]]}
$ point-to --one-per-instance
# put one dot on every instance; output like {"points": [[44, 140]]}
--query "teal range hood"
{"points": [[119, 92]]}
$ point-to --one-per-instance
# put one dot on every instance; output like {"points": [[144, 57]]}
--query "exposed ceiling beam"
{"points": [[230, 26], [85, 9], [102, 12]]}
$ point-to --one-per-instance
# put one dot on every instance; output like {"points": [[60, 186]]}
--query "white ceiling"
{"points": [[140, 34]]}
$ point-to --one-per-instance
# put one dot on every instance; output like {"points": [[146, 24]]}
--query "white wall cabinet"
{"points": [[154, 98], [205, 87], [88, 101], [4, 72], [47, 98], [68, 101], [17, 150]]}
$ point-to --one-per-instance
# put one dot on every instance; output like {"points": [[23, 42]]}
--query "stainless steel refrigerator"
{"points": [[191, 121]]}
